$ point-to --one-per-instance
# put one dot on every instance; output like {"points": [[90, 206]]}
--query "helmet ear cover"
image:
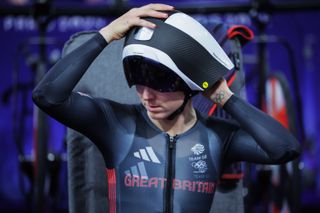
{"points": [[147, 72]]}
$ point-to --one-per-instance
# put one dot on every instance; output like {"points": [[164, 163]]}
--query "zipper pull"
{"points": [[171, 141]]}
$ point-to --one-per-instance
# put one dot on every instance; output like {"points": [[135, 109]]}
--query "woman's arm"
{"points": [[54, 95], [261, 139], [54, 92]]}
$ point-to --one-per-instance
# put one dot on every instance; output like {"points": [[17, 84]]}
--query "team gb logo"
{"points": [[197, 149]]}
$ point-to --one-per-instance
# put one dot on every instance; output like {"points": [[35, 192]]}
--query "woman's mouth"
{"points": [[153, 108]]}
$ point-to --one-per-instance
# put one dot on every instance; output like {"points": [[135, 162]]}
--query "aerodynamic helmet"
{"points": [[178, 55]]}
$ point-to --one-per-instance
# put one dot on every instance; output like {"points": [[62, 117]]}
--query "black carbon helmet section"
{"points": [[198, 65]]}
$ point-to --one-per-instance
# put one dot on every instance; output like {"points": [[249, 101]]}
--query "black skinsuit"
{"points": [[149, 171]]}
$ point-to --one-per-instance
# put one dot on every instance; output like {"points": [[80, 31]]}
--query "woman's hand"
{"points": [[120, 26], [219, 93]]}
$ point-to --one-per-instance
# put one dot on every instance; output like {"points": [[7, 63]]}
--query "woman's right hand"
{"points": [[120, 26]]}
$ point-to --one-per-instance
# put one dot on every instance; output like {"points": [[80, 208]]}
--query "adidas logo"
{"points": [[147, 154], [137, 171]]}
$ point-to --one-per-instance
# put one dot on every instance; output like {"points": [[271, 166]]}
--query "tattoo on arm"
{"points": [[219, 97]]}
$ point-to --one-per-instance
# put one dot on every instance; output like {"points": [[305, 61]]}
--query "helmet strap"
{"points": [[187, 96]]}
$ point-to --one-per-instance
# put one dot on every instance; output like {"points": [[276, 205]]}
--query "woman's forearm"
{"points": [[57, 85], [269, 134]]}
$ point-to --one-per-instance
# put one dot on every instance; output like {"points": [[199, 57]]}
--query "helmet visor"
{"points": [[143, 71]]}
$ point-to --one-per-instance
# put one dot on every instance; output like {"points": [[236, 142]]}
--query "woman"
{"points": [[161, 155]]}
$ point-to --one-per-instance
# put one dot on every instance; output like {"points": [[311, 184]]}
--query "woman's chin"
{"points": [[157, 115]]}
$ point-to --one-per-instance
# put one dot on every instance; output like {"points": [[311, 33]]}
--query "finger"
{"points": [[159, 7], [153, 13], [147, 12], [141, 23]]}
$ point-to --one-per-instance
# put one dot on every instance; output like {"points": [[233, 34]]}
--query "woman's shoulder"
{"points": [[115, 106], [214, 122]]}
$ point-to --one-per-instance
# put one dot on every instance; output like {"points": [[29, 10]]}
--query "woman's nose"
{"points": [[145, 92]]}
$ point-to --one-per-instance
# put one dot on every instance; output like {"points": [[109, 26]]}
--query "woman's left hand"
{"points": [[219, 93]]}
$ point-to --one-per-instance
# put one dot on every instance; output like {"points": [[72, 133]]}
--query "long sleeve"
{"points": [[260, 139], [54, 93]]}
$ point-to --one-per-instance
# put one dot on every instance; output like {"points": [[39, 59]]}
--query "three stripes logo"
{"points": [[147, 154], [139, 170]]}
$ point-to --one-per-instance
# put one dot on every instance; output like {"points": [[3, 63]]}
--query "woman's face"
{"points": [[159, 105]]}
